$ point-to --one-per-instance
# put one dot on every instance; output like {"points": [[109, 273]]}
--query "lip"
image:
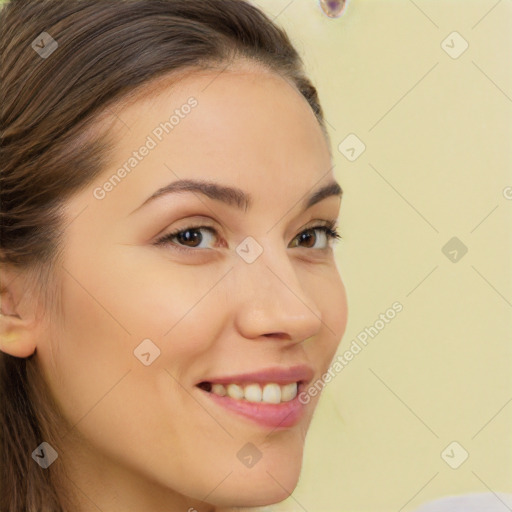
{"points": [[278, 375], [275, 416]]}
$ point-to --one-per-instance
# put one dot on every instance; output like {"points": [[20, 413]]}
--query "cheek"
{"points": [[98, 382], [179, 310], [155, 295], [331, 299], [107, 321], [91, 351]]}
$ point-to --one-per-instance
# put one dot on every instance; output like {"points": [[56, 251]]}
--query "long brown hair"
{"points": [[52, 145]]}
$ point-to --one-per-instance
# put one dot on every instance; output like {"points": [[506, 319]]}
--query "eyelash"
{"points": [[329, 228]]}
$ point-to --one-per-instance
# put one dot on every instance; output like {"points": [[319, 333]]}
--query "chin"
{"points": [[271, 480]]}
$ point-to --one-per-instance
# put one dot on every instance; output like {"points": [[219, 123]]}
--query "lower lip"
{"points": [[276, 416]]}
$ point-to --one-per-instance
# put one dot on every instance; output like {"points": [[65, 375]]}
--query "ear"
{"points": [[18, 323]]}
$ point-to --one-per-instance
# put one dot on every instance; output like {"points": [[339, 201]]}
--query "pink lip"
{"points": [[278, 375], [276, 416], [283, 415]]}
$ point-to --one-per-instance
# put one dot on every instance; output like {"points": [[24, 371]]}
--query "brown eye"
{"points": [[188, 238], [309, 237]]}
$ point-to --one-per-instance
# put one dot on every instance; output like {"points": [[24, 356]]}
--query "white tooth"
{"points": [[235, 391], [288, 392], [219, 389], [271, 394], [252, 392]]}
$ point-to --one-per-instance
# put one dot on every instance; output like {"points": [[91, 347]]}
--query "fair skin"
{"points": [[147, 437]]}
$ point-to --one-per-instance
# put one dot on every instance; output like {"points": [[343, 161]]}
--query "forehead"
{"points": [[245, 101], [245, 126]]}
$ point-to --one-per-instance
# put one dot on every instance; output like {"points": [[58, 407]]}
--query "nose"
{"points": [[271, 302]]}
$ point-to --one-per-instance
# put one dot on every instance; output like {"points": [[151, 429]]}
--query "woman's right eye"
{"points": [[186, 239]]}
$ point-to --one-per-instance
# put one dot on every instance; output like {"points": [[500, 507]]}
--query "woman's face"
{"points": [[251, 289]]}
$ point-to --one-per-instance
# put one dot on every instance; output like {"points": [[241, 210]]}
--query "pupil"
{"points": [[308, 235], [186, 237]]}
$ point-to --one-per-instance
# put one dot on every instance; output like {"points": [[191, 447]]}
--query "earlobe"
{"points": [[17, 334], [16, 339]]}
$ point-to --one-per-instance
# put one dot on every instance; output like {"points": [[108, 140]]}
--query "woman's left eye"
{"points": [[190, 238], [329, 233]]}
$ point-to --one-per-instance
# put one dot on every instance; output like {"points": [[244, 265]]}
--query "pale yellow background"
{"points": [[434, 167]]}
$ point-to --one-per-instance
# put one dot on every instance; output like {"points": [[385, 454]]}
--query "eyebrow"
{"points": [[233, 196]]}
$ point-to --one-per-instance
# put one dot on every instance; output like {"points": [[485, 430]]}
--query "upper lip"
{"points": [[276, 374]]}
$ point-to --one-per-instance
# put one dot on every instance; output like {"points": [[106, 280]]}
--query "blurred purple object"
{"points": [[333, 8]]}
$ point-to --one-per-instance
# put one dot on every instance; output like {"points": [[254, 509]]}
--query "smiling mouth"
{"points": [[269, 405], [268, 393], [269, 397]]}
